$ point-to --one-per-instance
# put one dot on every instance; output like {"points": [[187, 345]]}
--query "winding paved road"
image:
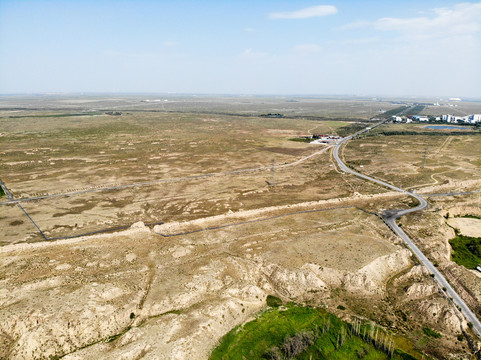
{"points": [[391, 221]]}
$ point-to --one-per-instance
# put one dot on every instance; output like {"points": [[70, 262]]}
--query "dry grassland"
{"points": [[325, 108], [400, 159], [137, 294], [52, 155]]}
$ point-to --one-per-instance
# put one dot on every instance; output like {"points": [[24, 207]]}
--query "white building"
{"points": [[473, 119], [448, 118], [469, 119]]}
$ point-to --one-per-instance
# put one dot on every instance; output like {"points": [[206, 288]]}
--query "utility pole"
{"points": [[272, 182]]}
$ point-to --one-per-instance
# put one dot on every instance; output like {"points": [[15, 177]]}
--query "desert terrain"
{"points": [[149, 227]]}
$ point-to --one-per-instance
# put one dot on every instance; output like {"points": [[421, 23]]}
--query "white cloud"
{"points": [[461, 19], [171, 43], [313, 11]]}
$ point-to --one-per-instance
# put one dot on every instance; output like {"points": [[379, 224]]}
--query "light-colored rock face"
{"points": [[440, 315], [370, 279], [466, 226], [419, 290], [136, 294]]}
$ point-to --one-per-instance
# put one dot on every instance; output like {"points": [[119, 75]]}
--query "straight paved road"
{"points": [[391, 221]]}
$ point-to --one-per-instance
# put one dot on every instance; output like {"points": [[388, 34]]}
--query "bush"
{"points": [[273, 301], [403, 355], [304, 140], [431, 333], [362, 352], [273, 354], [296, 344]]}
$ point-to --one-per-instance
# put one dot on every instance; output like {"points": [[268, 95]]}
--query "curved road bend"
{"points": [[391, 221]]}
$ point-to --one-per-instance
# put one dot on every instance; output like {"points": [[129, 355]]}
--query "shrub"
{"points": [[273, 301], [296, 344], [431, 333]]}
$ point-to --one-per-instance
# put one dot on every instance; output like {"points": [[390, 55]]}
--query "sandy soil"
{"points": [[467, 226], [135, 294], [75, 296]]}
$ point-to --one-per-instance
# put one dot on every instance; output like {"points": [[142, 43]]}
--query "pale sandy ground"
{"points": [[134, 294], [186, 292], [466, 226], [229, 217], [452, 186]]}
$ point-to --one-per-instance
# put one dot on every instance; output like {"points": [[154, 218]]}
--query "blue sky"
{"points": [[390, 48]]}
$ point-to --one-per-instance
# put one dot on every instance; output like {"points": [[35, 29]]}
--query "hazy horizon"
{"points": [[418, 49], [242, 95]]}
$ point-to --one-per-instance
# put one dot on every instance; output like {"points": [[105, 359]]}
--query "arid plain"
{"points": [[163, 224]]}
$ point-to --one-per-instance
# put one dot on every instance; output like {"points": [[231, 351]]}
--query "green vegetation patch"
{"points": [[415, 110], [431, 333], [55, 115], [468, 216], [399, 354], [424, 133], [394, 111], [296, 332], [466, 251], [351, 129], [304, 140], [273, 301]]}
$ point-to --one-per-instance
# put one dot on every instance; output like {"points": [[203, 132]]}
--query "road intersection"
{"points": [[390, 220]]}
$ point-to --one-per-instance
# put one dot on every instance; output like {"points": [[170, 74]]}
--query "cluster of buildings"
{"points": [[468, 119], [324, 139]]}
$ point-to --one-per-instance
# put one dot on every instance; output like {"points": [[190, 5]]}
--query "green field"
{"points": [[466, 251], [296, 332]]}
